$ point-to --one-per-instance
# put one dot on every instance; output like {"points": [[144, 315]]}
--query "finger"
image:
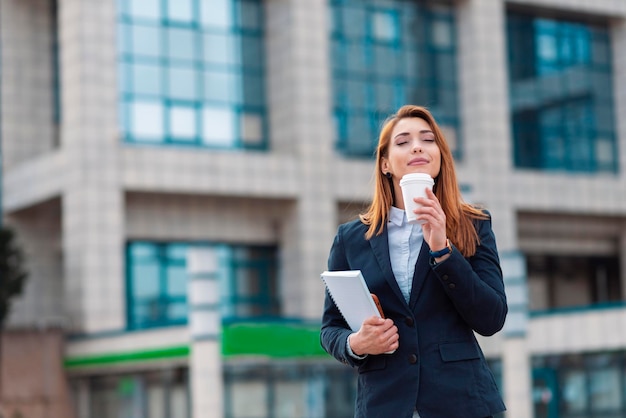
{"points": [[374, 320], [430, 194]]}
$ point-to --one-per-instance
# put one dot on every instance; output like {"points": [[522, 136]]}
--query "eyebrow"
{"points": [[423, 131]]}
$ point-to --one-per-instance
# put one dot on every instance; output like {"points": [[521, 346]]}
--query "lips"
{"points": [[418, 161]]}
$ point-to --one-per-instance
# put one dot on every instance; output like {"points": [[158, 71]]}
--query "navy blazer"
{"points": [[439, 368]]}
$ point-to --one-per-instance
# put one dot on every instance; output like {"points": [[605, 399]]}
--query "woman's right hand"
{"points": [[376, 336]]}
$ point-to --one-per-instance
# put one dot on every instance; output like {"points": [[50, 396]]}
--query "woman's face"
{"points": [[412, 149]]}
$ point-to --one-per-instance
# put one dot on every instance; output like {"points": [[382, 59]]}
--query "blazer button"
{"points": [[409, 321], [412, 359], [444, 277], [451, 285]]}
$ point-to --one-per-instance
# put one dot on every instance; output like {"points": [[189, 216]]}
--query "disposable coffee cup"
{"points": [[414, 185]]}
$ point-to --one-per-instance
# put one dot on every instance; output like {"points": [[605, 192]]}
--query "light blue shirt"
{"points": [[405, 242]]}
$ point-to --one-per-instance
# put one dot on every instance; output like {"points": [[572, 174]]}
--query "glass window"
{"points": [[384, 26], [249, 400], [545, 398], [155, 399], [219, 48], [250, 290], [157, 285], [579, 385], [180, 10], [146, 79], [219, 126], [206, 55], [222, 87], [146, 9], [287, 391], [56, 70], [183, 122], [290, 400], [145, 42], [383, 58], [157, 282], [572, 281], [217, 13], [561, 99], [181, 44], [574, 391], [250, 18], [605, 387], [182, 83], [147, 121], [252, 129], [156, 394]]}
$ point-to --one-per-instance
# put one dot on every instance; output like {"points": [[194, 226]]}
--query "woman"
{"points": [[438, 283]]}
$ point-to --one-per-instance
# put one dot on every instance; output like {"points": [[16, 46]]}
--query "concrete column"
{"points": [[301, 125], [484, 101], [517, 380], [488, 167], [92, 201], [27, 100], [205, 361]]}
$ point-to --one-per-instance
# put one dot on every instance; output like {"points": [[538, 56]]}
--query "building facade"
{"points": [[176, 171]]}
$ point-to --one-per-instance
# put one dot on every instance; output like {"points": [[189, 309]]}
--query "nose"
{"points": [[417, 147]]}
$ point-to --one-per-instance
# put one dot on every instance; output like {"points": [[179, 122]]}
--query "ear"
{"points": [[384, 165]]}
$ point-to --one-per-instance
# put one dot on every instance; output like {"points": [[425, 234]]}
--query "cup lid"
{"points": [[416, 177]]}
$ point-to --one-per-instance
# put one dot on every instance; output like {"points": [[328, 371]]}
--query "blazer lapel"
{"points": [[380, 247], [422, 268]]}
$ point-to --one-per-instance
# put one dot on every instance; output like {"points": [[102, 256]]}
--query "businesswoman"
{"points": [[438, 283]]}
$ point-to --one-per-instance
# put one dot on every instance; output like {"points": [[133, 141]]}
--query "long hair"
{"points": [[460, 215]]}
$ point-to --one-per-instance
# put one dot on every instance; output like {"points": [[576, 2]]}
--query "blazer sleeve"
{"points": [[475, 284], [334, 329]]}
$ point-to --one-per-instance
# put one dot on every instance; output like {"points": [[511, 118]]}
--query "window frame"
{"points": [[358, 120], [243, 69], [538, 87], [232, 259]]}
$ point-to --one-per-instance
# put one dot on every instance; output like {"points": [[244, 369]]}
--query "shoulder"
{"points": [[352, 227], [484, 229], [478, 214], [352, 231]]}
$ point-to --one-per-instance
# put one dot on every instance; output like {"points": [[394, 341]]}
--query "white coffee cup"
{"points": [[414, 185]]}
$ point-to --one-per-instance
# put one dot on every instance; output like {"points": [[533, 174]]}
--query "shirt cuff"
{"points": [[352, 352]]}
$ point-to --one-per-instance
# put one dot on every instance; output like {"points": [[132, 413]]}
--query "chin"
{"points": [[418, 169]]}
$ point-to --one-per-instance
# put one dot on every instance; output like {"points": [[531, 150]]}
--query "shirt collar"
{"points": [[397, 216]]}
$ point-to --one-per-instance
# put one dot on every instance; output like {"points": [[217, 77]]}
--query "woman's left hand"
{"points": [[434, 226]]}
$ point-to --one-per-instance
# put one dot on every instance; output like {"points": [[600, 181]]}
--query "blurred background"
{"points": [[174, 171]]}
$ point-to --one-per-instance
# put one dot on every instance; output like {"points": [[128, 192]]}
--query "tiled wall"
{"points": [[27, 100]]}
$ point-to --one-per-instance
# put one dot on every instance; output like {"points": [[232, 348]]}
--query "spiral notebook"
{"points": [[350, 293]]}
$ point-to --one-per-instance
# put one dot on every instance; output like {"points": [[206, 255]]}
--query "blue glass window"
{"points": [[157, 282], [580, 385], [250, 286], [303, 389], [561, 95], [56, 70], [387, 53], [192, 72]]}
